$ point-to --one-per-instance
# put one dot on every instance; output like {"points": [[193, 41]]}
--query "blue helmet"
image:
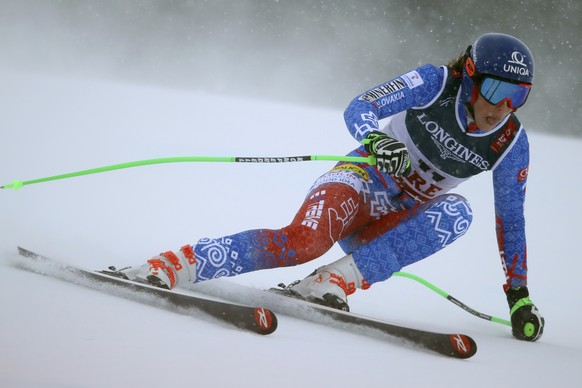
{"points": [[498, 55], [503, 56]]}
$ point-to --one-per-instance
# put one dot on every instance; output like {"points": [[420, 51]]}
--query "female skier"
{"points": [[446, 125]]}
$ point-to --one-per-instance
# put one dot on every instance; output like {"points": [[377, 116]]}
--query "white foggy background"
{"points": [[320, 53], [88, 84]]}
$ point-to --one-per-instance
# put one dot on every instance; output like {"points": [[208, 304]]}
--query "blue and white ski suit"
{"points": [[387, 222]]}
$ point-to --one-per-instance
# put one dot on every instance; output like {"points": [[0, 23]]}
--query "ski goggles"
{"points": [[497, 91]]}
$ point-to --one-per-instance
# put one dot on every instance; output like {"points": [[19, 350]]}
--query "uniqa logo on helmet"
{"points": [[516, 64]]}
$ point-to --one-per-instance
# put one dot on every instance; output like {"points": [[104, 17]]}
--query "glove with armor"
{"points": [[526, 321], [391, 155]]}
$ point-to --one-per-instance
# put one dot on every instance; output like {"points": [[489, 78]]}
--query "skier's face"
{"points": [[487, 116]]}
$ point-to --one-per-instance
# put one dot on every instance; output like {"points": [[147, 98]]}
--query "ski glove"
{"points": [[526, 321], [391, 155]]}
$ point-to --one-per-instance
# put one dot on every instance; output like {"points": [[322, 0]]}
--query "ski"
{"points": [[255, 319], [452, 345], [259, 320]]}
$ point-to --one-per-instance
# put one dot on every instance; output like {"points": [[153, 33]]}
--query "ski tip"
{"points": [[463, 346], [265, 320], [26, 252]]}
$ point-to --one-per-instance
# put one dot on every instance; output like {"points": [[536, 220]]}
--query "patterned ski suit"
{"points": [[387, 222]]}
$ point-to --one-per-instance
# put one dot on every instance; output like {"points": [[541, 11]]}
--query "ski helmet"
{"points": [[502, 56]]}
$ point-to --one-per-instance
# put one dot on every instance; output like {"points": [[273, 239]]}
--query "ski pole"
{"points": [[452, 299], [17, 184]]}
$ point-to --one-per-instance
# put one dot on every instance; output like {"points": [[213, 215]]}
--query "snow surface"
{"points": [[57, 334]]}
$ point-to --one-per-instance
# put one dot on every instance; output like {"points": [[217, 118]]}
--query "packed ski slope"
{"points": [[57, 334]]}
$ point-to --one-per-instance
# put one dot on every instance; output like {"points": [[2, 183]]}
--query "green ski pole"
{"points": [[452, 299], [17, 184]]}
